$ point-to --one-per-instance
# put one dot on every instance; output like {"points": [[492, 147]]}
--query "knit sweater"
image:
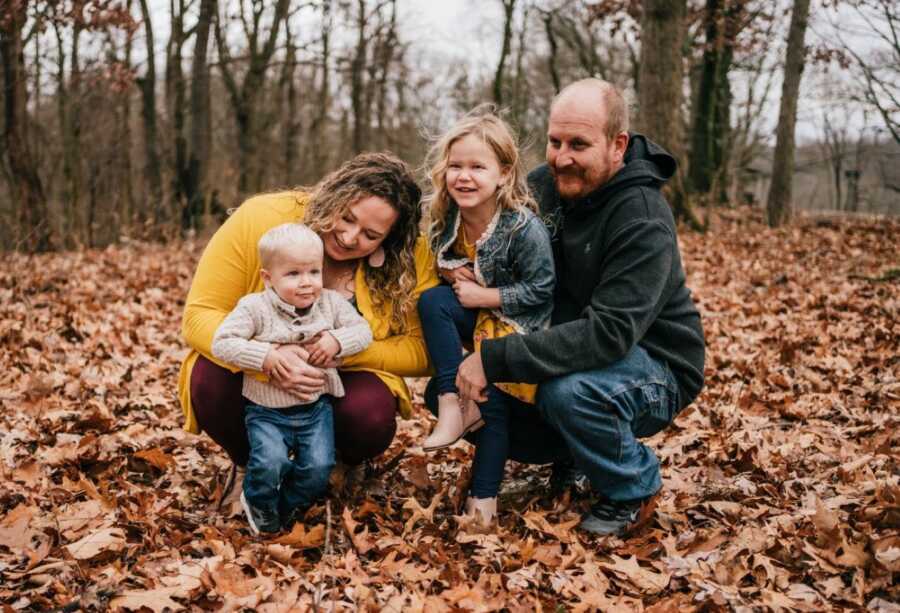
{"points": [[262, 320]]}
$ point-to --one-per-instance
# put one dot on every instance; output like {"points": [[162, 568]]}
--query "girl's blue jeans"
{"points": [[445, 323]]}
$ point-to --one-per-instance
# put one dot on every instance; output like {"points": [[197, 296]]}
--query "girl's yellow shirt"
{"points": [[229, 269]]}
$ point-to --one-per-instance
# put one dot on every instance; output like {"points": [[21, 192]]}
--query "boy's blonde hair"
{"points": [[280, 238], [486, 124]]}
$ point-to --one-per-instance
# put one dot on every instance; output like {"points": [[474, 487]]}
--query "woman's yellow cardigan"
{"points": [[229, 269]]}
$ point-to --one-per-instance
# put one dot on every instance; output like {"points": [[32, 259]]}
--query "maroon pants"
{"points": [[364, 419]]}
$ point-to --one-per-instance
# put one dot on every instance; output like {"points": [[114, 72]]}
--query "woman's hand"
{"points": [[461, 273], [288, 369]]}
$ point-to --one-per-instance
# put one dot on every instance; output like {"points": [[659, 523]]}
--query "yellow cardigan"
{"points": [[229, 269]]}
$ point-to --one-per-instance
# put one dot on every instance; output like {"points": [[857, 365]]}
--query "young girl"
{"points": [[494, 253]]}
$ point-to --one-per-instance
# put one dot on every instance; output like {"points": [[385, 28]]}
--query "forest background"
{"points": [[149, 119], [131, 127]]}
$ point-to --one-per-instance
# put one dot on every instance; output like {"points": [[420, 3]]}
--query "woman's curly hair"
{"points": [[386, 176]]}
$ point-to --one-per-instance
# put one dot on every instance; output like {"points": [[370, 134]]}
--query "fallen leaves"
{"points": [[781, 487]]}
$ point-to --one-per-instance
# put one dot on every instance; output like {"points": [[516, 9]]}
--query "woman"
{"points": [[367, 213]]}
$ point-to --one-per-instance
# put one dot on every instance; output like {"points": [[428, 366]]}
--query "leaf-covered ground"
{"points": [[782, 483]]}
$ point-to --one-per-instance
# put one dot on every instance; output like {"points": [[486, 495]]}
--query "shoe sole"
{"points": [[227, 487], [246, 506], [472, 428]]}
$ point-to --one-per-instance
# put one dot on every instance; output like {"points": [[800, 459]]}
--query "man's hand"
{"points": [[322, 349], [460, 273], [288, 369], [471, 380]]}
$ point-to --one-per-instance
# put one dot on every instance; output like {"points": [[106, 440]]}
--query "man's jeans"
{"points": [[601, 413], [595, 418], [291, 455]]}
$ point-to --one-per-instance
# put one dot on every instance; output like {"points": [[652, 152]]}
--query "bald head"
{"points": [[596, 100], [586, 137]]}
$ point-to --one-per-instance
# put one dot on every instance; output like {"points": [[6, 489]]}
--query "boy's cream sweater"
{"points": [[262, 320]]}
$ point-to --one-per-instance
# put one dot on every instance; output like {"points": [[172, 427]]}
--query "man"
{"points": [[625, 350]]}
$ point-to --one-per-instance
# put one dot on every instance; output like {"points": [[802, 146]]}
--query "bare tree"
{"points": [[779, 206], [27, 186], [879, 68], [245, 96], [147, 84], [509, 7], [193, 176], [660, 89]]}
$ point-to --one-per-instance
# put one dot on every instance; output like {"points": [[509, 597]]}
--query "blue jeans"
{"points": [[445, 324], [601, 413], [291, 455], [595, 418]]}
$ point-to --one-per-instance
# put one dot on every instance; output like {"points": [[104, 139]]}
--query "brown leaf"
{"points": [[95, 543]]}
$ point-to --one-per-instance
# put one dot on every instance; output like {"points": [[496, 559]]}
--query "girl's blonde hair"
{"points": [[388, 177], [483, 122]]}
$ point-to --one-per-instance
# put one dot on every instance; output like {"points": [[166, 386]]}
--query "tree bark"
{"points": [[711, 115], [147, 84], [660, 90], [357, 94], [195, 187], [27, 187], [509, 7], [244, 97], [547, 17], [779, 206]]}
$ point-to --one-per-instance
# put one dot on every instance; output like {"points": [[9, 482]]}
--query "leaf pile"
{"points": [[781, 482]]}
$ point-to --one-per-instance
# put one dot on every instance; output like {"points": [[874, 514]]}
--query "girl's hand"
{"points": [[460, 273], [322, 349], [287, 368], [469, 293]]}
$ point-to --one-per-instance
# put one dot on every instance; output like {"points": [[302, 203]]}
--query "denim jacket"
{"points": [[513, 255]]}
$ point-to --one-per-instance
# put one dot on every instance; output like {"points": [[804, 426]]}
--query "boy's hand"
{"points": [[323, 349], [288, 368]]}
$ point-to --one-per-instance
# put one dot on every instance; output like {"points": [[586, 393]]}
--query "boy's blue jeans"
{"points": [[291, 455], [595, 418]]}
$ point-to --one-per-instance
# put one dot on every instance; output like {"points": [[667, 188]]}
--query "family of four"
{"points": [[551, 311]]}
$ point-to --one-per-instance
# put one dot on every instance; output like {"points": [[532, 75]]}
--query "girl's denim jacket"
{"points": [[513, 255]]}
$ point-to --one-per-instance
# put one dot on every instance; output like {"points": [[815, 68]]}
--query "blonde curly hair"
{"points": [[512, 193], [386, 176]]}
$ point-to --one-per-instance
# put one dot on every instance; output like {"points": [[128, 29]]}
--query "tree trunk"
{"points": [[711, 117], [147, 83], [244, 98], [27, 187], [547, 17], [290, 119], [195, 187], [659, 86], [176, 92], [779, 206], [356, 80], [317, 153], [508, 9]]}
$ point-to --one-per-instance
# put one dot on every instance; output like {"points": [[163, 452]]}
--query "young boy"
{"points": [[291, 440]]}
